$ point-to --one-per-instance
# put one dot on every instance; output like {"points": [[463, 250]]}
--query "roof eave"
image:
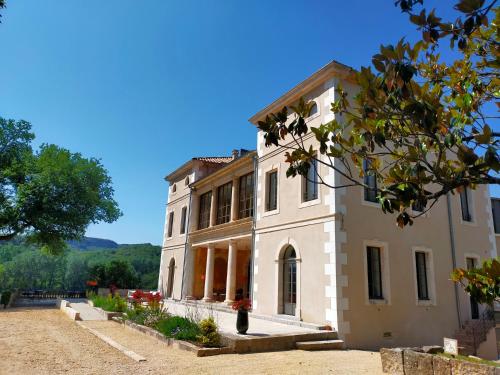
{"points": [[333, 68]]}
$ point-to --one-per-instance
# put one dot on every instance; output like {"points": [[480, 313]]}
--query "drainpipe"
{"points": [[453, 255], [254, 220], [186, 243]]}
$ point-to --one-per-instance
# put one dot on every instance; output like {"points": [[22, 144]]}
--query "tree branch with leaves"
{"points": [[421, 124]]}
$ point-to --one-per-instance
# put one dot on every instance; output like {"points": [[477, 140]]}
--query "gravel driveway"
{"points": [[45, 341]]}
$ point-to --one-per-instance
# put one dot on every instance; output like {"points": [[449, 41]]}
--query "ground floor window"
{"points": [[289, 281], [374, 270]]}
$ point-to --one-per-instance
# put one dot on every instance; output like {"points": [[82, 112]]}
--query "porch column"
{"points": [[231, 272], [209, 274], [235, 199], [213, 208]]}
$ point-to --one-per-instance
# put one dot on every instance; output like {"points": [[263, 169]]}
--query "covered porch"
{"points": [[221, 270]]}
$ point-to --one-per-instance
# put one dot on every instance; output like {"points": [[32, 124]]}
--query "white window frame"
{"points": [[385, 270], [171, 213], [267, 171], [302, 181], [431, 283], [472, 208], [317, 114]]}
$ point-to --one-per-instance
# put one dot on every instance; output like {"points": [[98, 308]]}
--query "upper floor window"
{"points": [[224, 203], [370, 181], [174, 188], [374, 269], [465, 202], [186, 181], [204, 216], [183, 220], [495, 207], [422, 277], [314, 110], [310, 183], [272, 190], [170, 223], [246, 196]]}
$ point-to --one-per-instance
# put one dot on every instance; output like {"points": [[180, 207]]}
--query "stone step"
{"points": [[320, 345]]}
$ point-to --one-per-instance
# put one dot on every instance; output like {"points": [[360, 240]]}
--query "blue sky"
{"points": [[146, 85]]}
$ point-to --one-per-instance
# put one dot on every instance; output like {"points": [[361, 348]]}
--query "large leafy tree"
{"points": [[423, 124], [50, 195]]}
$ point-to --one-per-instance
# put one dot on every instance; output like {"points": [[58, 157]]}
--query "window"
{"points": [[183, 220], [471, 263], [186, 181], [466, 204], [421, 269], [246, 196], [314, 110], [310, 183], [495, 206], [170, 223], [370, 181], [204, 216], [174, 188], [374, 268], [272, 191], [224, 203]]}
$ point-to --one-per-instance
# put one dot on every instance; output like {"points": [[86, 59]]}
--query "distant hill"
{"points": [[91, 243]]}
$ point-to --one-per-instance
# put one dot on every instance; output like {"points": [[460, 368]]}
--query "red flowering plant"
{"points": [[91, 283], [242, 305], [147, 308]]}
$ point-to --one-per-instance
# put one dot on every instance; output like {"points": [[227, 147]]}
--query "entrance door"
{"points": [[170, 285], [474, 306], [289, 281]]}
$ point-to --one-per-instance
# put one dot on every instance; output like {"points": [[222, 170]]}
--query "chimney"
{"points": [[235, 154]]}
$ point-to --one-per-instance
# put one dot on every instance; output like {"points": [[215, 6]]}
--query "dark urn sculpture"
{"points": [[242, 321]]}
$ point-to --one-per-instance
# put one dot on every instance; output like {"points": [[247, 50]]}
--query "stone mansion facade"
{"points": [[237, 227]]}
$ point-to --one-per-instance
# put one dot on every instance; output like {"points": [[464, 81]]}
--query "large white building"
{"points": [[237, 227]]}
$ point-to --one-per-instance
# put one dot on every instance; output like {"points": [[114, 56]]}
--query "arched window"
{"points": [[289, 281], [174, 188], [186, 181], [314, 110]]}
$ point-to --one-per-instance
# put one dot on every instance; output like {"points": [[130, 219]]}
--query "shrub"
{"points": [[209, 336], [5, 299], [110, 303], [179, 328]]}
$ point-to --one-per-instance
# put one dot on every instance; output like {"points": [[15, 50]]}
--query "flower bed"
{"points": [[147, 310], [111, 303]]}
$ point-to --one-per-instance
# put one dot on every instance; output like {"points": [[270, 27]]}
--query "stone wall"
{"points": [[417, 361]]}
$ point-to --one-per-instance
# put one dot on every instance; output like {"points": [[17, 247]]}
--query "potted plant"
{"points": [[242, 306]]}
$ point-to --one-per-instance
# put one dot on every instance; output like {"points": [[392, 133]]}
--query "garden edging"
{"points": [[108, 315], [178, 344]]}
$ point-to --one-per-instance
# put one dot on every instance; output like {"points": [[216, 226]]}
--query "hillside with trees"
{"points": [[125, 266]]}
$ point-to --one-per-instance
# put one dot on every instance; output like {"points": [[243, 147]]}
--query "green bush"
{"points": [[209, 336], [110, 303], [5, 298], [179, 328]]}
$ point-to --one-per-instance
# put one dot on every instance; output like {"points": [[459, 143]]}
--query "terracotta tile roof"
{"points": [[215, 159]]}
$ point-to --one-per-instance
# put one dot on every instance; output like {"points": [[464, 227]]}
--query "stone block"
{"points": [[469, 368], [392, 361], [441, 365], [417, 363]]}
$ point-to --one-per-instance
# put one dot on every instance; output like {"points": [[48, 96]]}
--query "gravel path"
{"points": [[45, 341]]}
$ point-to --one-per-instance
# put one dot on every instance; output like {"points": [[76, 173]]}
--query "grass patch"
{"points": [[470, 359], [179, 328], [110, 303]]}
